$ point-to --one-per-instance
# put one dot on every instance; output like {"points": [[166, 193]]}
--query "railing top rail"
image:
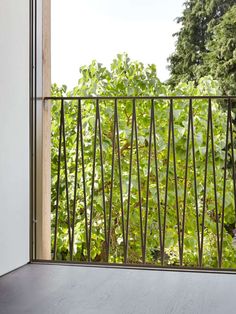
{"points": [[137, 97]]}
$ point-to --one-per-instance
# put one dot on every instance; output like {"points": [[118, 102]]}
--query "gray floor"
{"points": [[44, 289]]}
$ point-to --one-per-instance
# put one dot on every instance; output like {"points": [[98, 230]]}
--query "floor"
{"points": [[57, 289]]}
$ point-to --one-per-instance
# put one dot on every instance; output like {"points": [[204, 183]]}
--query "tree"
{"points": [[132, 78], [221, 59], [199, 18]]}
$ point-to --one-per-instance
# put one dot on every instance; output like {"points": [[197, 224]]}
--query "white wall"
{"points": [[14, 134]]}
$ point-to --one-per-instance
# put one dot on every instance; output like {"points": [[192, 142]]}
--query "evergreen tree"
{"points": [[198, 21], [221, 59]]}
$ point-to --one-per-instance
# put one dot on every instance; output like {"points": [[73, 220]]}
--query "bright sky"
{"points": [[83, 30]]}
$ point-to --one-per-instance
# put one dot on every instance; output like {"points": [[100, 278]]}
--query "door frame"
{"points": [[40, 129]]}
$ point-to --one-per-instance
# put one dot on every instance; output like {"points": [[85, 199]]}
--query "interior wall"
{"points": [[14, 134]]}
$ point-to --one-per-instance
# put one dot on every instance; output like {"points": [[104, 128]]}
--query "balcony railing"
{"points": [[144, 181]]}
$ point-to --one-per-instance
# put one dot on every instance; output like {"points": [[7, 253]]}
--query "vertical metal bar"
{"points": [[185, 186], [75, 182], [111, 190], [129, 186], [157, 182], [66, 178], [232, 152], [102, 174], [139, 183], [215, 185], [205, 184], [120, 176], [224, 187], [195, 179], [166, 188], [84, 181], [92, 188], [58, 186], [148, 179], [176, 181]]}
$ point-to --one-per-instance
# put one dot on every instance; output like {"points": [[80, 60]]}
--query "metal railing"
{"points": [[144, 180]]}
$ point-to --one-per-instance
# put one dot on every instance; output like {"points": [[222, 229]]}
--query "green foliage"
{"points": [[221, 58], [126, 78], [199, 22]]}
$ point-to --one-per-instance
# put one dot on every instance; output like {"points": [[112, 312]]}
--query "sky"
{"points": [[84, 30]]}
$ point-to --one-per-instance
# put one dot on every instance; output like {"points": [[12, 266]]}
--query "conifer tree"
{"points": [[198, 21]]}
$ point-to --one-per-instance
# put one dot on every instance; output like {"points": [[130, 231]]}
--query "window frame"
{"points": [[40, 129]]}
